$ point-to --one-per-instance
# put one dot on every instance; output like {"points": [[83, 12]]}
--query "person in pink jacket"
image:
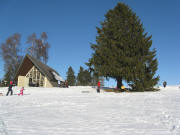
{"points": [[21, 91]]}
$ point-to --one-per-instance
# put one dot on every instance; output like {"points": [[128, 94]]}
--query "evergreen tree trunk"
{"points": [[119, 82]]}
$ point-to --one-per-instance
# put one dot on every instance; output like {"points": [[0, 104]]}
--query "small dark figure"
{"points": [[164, 84], [63, 84], [10, 88], [98, 86], [66, 84]]}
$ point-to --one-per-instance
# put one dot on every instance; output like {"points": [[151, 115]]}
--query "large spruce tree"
{"points": [[71, 77], [122, 50]]}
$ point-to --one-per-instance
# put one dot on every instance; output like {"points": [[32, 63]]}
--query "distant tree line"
{"points": [[83, 78], [12, 55]]}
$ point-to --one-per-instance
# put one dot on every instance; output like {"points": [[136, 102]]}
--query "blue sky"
{"points": [[71, 27]]}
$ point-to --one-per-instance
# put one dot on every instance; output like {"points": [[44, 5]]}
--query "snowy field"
{"points": [[82, 111]]}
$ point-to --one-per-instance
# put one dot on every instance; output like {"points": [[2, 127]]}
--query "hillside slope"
{"points": [[82, 111]]}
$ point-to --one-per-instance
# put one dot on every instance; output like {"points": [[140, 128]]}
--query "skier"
{"points": [[164, 84], [10, 88], [98, 86], [21, 91]]}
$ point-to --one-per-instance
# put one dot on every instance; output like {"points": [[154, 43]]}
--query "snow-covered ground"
{"points": [[82, 111]]}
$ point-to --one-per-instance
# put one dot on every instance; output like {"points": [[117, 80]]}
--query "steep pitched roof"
{"points": [[27, 64]]}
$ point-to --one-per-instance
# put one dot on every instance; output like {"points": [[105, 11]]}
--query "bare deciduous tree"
{"points": [[39, 47], [32, 49], [10, 53]]}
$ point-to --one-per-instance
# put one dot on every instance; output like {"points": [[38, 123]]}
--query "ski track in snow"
{"points": [[82, 111], [3, 130]]}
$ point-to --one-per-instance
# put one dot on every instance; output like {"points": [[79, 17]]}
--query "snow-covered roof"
{"points": [[57, 77]]}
